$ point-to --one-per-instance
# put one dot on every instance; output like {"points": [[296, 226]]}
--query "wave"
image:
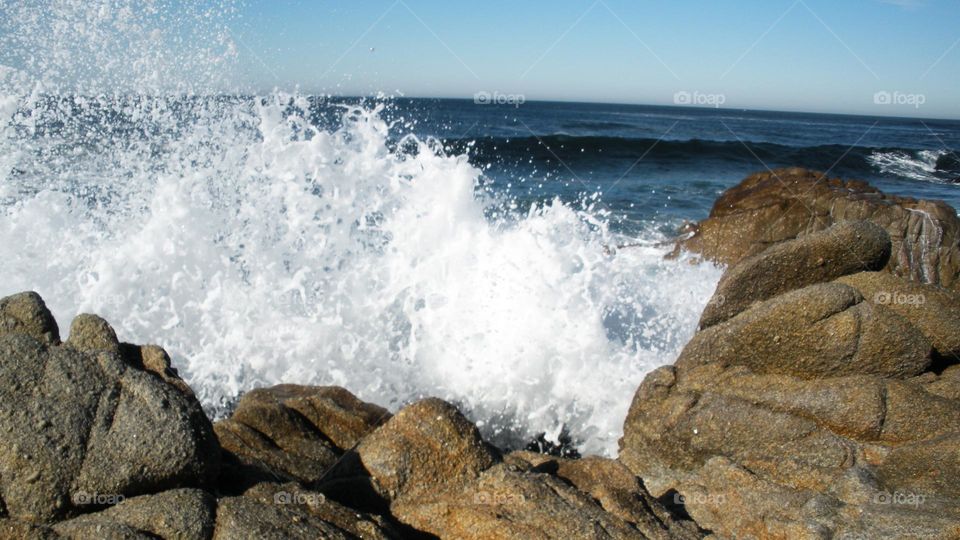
{"points": [[923, 165], [259, 246]]}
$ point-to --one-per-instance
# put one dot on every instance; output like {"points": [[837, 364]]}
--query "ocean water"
{"points": [[506, 258]]}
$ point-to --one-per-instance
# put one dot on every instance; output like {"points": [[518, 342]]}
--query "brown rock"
{"points": [[186, 514], [426, 446], [247, 517], [506, 503], [26, 313], [822, 330], [845, 248], [771, 207], [299, 501], [290, 432], [769, 455], [332, 410], [89, 333], [76, 422], [935, 311]]}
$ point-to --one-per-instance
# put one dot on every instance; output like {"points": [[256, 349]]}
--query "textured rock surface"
{"points": [[845, 248], [770, 207], [291, 432], [821, 330], [427, 445], [271, 510], [770, 455], [186, 514], [78, 422], [26, 313], [935, 311]]}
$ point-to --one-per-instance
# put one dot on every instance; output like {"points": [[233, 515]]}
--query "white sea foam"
{"points": [[259, 249], [920, 165]]}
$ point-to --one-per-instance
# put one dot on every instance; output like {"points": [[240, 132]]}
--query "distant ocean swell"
{"points": [[924, 165]]}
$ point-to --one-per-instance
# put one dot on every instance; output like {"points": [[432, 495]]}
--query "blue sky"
{"points": [[809, 55]]}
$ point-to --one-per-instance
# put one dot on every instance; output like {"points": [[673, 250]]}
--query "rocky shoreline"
{"points": [[820, 398]]}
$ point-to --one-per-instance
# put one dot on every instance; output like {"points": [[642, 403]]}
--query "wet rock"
{"points": [[426, 446], [772, 455], [618, 491], [76, 422], [26, 313], [186, 514], [771, 207], [818, 331], [935, 311], [503, 502], [91, 334], [291, 432], [842, 249]]}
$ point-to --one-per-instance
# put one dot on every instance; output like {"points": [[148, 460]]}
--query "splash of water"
{"points": [[259, 248]]}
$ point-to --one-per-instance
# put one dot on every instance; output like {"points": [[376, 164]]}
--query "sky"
{"points": [[800, 55]]}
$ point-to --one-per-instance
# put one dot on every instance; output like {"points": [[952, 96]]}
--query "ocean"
{"points": [[398, 247], [406, 247]]}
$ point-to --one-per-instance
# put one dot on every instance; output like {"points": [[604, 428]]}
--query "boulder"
{"points": [[186, 514], [291, 432], [86, 423], [504, 502], [845, 248], [618, 491], [946, 384], [270, 510], [334, 411], [246, 517], [935, 311], [771, 455], [424, 447], [784, 204], [26, 313], [92, 334], [818, 331]]}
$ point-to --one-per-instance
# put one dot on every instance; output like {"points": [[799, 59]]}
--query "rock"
{"points": [[845, 248], [503, 502], [270, 510], [182, 513], [771, 207], [291, 432], [316, 504], [89, 333], [26, 313], [11, 529], [334, 411], [266, 441], [75, 422], [155, 360], [819, 331], [947, 384], [618, 491], [426, 446], [933, 310], [772, 455], [246, 517]]}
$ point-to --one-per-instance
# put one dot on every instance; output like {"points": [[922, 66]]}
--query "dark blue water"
{"points": [[666, 164], [643, 165]]}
